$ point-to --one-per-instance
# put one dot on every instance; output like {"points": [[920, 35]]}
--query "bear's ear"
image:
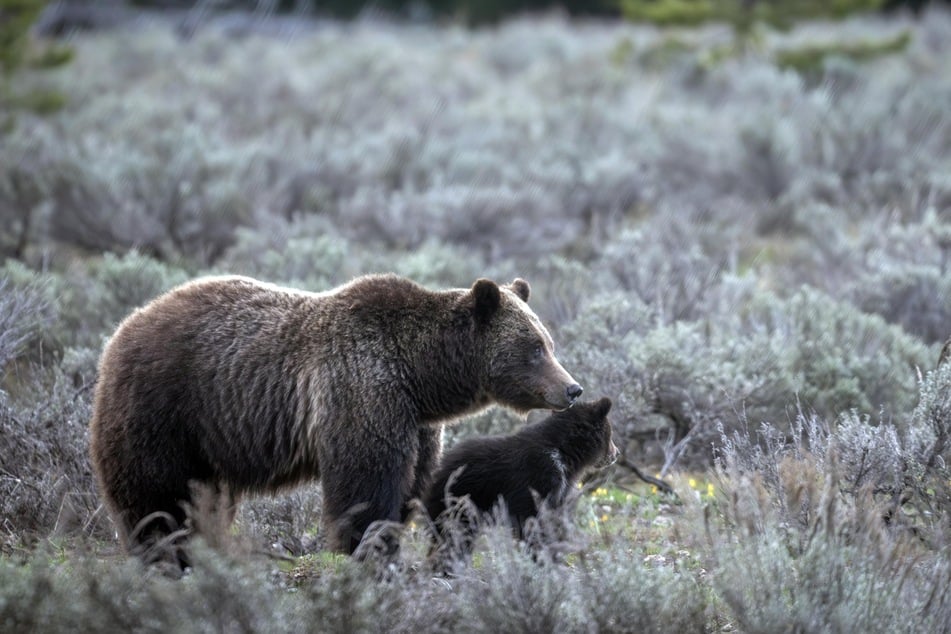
{"points": [[521, 288], [603, 406], [487, 299]]}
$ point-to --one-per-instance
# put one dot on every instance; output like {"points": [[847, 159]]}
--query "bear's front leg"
{"points": [[430, 448], [365, 483]]}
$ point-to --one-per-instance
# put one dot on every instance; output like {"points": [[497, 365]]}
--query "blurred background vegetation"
{"points": [[735, 217], [672, 12]]}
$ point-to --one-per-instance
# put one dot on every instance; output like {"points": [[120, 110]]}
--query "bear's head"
{"points": [[601, 426], [517, 353], [584, 434]]}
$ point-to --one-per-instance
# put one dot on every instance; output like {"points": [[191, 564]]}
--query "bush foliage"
{"points": [[753, 263], [19, 54]]}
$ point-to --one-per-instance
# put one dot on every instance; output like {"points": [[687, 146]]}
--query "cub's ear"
{"points": [[487, 299], [603, 407], [521, 288]]}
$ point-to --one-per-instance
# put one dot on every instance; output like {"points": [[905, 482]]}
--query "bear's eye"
{"points": [[539, 351]]}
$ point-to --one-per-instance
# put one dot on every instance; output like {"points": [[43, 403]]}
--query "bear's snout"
{"points": [[610, 457], [573, 391], [558, 400]]}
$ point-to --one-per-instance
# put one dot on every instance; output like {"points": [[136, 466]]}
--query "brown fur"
{"points": [[539, 463], [250, 387]]}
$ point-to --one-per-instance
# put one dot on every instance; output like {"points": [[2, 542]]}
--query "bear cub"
{"points": [[539, 463]]}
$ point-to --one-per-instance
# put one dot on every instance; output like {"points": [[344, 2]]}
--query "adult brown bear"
{"points": [[250, 387]]}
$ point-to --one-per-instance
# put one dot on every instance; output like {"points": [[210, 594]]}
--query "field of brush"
{"points": [[752, 260]]}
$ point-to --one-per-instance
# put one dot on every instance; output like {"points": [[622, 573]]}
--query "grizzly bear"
{"points": [[248, 387], [539, 463]]}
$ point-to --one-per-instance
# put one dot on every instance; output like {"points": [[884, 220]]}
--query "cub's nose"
{"points": [[574, 391]]}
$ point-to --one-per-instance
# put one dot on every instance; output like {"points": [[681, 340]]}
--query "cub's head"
{"points": [[601, 428], [515, 351], [584, 434]]}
